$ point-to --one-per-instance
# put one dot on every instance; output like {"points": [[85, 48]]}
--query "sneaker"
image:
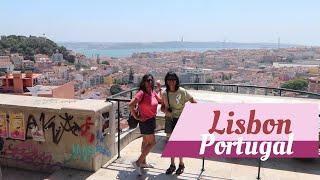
{"points": [[137, 168], [147, 165]]}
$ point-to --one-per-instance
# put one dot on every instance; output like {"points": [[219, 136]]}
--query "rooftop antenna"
{"points": [[278, 42]]}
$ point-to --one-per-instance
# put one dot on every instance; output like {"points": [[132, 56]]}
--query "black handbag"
{"points": [[132, 122]]}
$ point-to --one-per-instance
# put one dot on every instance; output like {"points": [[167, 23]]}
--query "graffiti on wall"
{"points": [[80, 152], [85, 130], [100, 135], [100, 147], [29, 153], [37, 126], [57, 128]]}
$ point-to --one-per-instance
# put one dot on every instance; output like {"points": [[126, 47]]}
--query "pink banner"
{"points": [[246, 130]]}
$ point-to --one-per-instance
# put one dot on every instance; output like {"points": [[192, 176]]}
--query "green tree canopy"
{"points": [[114, 89], [131, 72], [30, 46], [105, 62], [296, 84]]}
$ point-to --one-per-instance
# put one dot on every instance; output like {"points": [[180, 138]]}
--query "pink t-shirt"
{"points": [[148, 106]]}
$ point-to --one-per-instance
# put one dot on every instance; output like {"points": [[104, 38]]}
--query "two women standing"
{"points": [[172, 100]]}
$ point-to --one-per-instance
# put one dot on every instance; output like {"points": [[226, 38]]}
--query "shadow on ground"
{"points": [[126, 172], [9, 173], [70, 174]]}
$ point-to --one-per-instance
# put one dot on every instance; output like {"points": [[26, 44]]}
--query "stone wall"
{"points": [[76, 133]]}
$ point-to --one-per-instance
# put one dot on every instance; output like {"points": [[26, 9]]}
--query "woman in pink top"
{"points": [[147, 100]]}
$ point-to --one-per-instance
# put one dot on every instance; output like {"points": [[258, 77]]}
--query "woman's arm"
{"points": [[159, 97]]}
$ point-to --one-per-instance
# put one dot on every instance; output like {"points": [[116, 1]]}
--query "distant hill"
{"points": [[30, 46], [173, 44]]}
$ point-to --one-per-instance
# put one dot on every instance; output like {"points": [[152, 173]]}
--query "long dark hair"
{"points": [[144, 80], [172, 74]]}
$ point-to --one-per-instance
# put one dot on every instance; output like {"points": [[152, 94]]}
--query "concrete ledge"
{"points": [[69, 133]]}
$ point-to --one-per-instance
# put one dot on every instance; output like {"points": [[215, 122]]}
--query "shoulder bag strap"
{"points": [[141, 100], [168, 98]]}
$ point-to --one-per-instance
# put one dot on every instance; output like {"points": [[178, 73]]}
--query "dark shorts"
{"points": [[148, 126], [170, 124]]}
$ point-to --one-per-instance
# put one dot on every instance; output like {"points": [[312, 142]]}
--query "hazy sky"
{"points": [[294, 21]]}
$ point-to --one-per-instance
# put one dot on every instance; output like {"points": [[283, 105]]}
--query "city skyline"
{"points": [[248, 21]]}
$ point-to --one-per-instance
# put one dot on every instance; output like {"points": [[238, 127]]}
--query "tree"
{"points": [[131, 72], [114, 89], [105, 62], [296, 84], [77, 66], [29, 46]]}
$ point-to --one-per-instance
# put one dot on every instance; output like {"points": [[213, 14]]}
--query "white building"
{"points": [[17, 61], [192, 75], [57, 57], [137, 78], [95, 80], [27, 64], [6, 67]]}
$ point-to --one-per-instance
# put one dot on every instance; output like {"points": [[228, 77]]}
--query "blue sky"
{"points": [[294, 21]]}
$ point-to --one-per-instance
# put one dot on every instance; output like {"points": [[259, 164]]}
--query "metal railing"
{"points": [[238, 86], [196, 87]]}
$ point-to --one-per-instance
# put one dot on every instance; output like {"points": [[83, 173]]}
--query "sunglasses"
{"points": [[149, 80]]}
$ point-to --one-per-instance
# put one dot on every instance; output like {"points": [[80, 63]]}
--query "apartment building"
{"points": [[18, 82], [17, 61], [4, 58], [28, 65], [137, 78], [314, 84], [57, 57], [192, 75], [95, 80]]}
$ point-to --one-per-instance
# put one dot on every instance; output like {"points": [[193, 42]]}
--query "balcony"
{"points": [[82, 135]]}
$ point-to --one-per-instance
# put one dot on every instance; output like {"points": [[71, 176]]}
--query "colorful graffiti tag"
{"points": [[81, 152], [29, 153], [85, 130]]}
